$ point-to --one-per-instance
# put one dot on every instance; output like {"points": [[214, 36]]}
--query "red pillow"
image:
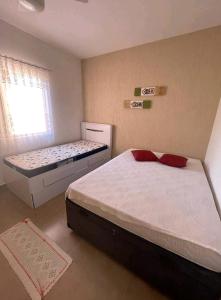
{"points": [[173, 160], [144, 155]]}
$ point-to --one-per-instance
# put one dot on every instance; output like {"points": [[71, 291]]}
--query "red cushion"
{"points": [[173, 160], [144, 155]]}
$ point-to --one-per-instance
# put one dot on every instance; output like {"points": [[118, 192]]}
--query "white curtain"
{"points": [[25, 107]]}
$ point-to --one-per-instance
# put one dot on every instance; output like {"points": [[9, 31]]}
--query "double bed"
{"points": [[159, 221]]}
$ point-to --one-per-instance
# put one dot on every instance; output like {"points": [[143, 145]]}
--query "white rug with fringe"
{"points": [[36, 259]]}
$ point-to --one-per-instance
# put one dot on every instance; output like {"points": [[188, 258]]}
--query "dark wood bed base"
{"points": [[173, 275]]}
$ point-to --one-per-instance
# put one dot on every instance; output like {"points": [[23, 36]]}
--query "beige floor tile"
{"points": [[92, 276]]}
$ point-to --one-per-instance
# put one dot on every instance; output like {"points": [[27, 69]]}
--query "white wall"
{"points": [[213, 158], [66, 85]]}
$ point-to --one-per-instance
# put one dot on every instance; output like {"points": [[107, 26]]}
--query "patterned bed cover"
{"points": [[39, 161]]}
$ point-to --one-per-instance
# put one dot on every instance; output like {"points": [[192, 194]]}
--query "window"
{"points": [[27, 110], [25, 100]]}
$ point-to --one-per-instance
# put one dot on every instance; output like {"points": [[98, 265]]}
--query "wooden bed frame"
{"points": [[173, 275]]}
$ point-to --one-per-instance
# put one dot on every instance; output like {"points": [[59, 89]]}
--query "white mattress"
{"points": [[47, 156], [171, 207]]}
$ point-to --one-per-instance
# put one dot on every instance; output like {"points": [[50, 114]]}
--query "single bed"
{"points": [[40, 161], [159, 221], [39, 175]]}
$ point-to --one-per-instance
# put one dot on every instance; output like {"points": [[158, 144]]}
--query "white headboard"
{"points": [[100, 133]]}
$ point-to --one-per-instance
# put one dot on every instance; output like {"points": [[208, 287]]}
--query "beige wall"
{"points": [[66, 88], [180, 121]]}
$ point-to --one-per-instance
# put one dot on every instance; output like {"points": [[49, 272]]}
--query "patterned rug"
{"points": [[37, 260]]}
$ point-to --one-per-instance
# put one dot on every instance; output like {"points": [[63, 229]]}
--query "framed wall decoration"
{"points": [[147, 91], [138, 104]]}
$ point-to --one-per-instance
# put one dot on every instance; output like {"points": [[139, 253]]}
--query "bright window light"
{"points": [[25, 104], [27, 108]]}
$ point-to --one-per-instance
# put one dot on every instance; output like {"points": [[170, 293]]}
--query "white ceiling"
{"points": [[103, 26]]}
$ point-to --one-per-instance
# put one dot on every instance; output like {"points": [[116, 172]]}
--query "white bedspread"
{"points": [[171, 207]]}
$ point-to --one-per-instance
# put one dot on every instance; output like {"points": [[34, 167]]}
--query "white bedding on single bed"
{"points": [[171, 207]]}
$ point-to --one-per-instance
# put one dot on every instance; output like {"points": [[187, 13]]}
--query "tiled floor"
{"points": [[92, 275]]}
